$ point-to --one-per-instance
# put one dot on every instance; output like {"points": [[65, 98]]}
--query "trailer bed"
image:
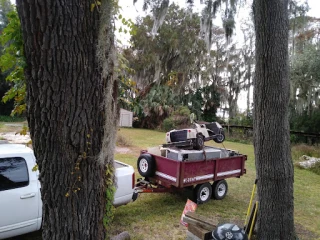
{"points": [[180, 174]]}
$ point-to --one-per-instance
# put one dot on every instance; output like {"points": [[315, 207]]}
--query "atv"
{"points": [[196, 136]]}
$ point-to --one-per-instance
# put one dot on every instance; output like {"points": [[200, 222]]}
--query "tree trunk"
{"points": [[271, 126], [70, 97]]}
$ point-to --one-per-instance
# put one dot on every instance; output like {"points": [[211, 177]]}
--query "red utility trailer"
{"points": [[192, 169]]}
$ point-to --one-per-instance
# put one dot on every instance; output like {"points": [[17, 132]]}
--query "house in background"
{"points": [[125, 118]]}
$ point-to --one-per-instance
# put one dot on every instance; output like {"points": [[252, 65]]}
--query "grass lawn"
{"points": [[156, 216]]}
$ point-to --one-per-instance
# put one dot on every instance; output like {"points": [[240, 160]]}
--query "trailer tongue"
{"points": [[204, 171]]}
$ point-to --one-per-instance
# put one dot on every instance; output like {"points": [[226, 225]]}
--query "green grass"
{"points": [[11, 119], [156, 216]]}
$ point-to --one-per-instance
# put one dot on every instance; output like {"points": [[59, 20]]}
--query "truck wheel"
{"points": [[203, 192], [199, 142], [220, 189], [146, 165], [220, 137]]}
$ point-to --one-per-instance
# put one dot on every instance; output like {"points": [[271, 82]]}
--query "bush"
{"points": [[11, 119], [124, 141], [168, 124], [180, 118], [183, 111], [303, 149]]}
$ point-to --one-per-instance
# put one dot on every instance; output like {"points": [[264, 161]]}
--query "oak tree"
{"points": [[71, 111]]}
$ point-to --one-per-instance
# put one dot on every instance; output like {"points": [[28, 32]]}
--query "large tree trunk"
{"points": [[271, 127], [68, 75]]}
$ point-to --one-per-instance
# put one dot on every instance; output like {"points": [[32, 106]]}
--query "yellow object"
{"points": [[253, 220], [250, 204]]}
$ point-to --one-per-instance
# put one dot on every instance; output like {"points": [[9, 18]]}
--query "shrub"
{"points": [[303, 149], [12, 118], [168, 124], [123, 140], [183, 111]]}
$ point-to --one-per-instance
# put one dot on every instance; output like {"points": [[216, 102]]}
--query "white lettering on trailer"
{"points": [[228, 172], [198, 178], [166, 176]]}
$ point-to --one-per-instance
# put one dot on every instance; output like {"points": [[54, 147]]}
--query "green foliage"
{"points": [[183, 111], [242, 119], [173, 55], [158, 104], [11, 119], [305, 123], [180, 118], [168, 124], [299, 150], [12, 61], [110, 191], [204, 102]]}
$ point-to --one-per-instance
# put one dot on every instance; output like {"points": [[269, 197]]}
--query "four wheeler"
{"points": [[196, 136]]}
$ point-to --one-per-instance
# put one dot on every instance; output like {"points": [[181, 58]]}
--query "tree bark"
{"points": [[70, 97], [271, 126]]}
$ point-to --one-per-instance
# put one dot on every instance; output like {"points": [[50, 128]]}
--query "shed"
{"points": [[125, 118]]}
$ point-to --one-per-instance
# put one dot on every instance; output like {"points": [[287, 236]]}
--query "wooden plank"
{"points": [[198, 231], [197, 220], [191, 236]]}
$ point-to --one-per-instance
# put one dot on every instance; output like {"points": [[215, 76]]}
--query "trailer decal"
{"points": [[198, 178], [166, 176], [228, 172]]}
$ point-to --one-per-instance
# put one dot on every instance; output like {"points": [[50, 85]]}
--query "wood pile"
{"points": [[198, 227]]}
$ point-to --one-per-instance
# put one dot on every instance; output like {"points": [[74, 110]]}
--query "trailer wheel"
{"points": [[146, 165], [220, 137], [220, 189], [198, 142], [203, 193]]}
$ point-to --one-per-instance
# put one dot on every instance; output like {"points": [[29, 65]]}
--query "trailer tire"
{"points": [[220, 189], [146, 165], [198, 142], [203, 193]]}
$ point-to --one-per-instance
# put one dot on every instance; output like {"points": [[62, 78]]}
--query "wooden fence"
{"points": [[308, 137]]}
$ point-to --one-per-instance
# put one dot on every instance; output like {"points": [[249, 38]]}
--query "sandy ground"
{"points": [[13, 137]]}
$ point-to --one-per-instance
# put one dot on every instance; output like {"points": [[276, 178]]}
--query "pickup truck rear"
{"points": [[20, 199]]}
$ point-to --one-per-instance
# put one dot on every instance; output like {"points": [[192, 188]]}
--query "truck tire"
{"points": [[198, 142], [203, 193], [219, 138], [220, 189], [146, 165]]}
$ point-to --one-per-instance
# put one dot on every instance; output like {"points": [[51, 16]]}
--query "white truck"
{"points": [[20, 199]]}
